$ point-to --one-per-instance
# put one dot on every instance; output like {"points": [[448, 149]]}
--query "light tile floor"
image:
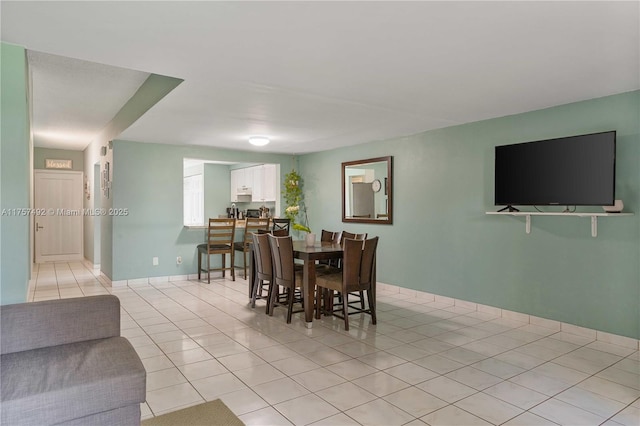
{"points": [[423, 363]]}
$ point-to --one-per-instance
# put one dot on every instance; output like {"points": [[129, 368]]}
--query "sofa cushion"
{"points": [[33, 325], [59, 383]]}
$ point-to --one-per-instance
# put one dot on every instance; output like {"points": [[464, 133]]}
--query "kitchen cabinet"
{"points": [[265, 186], [270, 179], [241, 184], [256, 184]]}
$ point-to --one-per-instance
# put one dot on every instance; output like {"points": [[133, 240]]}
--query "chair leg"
{"points": [[372, 306], [319, 297], [254, 293], [208, 268], [273, 290], [244, 253], [233, 262], [328, 301], [345, 310], [199, 264], [362, 299], [290, 297]]}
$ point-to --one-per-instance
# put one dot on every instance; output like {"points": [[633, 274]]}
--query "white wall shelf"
{"points": [[594, 217]]}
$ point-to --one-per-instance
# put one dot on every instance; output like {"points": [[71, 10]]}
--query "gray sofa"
{"points": [[64, 362]]}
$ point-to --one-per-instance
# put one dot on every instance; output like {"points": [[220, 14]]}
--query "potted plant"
{"points": [[296, 211]]}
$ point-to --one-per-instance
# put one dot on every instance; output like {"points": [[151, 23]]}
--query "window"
{"points": [[193, 200]]}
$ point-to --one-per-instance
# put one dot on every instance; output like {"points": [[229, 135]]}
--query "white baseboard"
{"points": [[602, 336], [179, 277], [499, 312], [31, 289]]}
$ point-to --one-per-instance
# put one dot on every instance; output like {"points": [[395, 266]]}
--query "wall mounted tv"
{"points": [[569, 171]]}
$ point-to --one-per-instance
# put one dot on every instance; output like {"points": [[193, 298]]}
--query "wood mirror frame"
{"points": [[361, 203]]}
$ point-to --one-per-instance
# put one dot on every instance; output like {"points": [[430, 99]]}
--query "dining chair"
{"points": [[275, 232], [298, 267], [356, 276], [329, 237], [281, 226], [284, 274], [352, 236], [220, 233], [263, 265], [280, 232], [252, 225], [346, 234]]}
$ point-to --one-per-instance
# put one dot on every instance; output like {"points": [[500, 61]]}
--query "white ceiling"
{"points": [[318, 75], [73, 100]]}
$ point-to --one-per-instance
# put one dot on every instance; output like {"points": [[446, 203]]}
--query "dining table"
{"points": [[309, 255]]}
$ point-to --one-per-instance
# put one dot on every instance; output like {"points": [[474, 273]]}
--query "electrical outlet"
{"points": [[179, 260], [155, 261]]}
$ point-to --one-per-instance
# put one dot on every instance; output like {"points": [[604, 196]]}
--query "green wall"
{"points": [[154, 88], [442, 241], [41, 154], [15, 172], [147, 180], [216, 190]]}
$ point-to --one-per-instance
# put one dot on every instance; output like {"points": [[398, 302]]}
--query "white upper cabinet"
{"points": [[260, 183], [241, 182], [265, 185], [270, 180]]}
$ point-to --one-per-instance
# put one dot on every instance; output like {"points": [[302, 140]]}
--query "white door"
{"points": [[58, 216]]}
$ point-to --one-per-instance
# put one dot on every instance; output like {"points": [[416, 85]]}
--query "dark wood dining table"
{"points": [[309, 255]]}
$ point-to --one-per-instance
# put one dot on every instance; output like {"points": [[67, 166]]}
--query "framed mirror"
{"points": [[367, 191]]}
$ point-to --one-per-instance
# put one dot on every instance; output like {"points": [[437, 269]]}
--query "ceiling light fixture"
{"points": [[258, 140]]}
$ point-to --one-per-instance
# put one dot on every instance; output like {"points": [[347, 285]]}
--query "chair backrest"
{"points": [[345, 234], [262, 253], [358, 263], [281, 224], [275, 232], [253, 226], [220, 233], [329, 236], [282, 257]]}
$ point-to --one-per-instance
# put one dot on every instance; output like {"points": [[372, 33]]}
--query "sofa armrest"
{"points": [[26, 326]]}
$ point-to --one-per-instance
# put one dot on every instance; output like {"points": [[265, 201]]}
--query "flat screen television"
{"points": [[569, 171]]}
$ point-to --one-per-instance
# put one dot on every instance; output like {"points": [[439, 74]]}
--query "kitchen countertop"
{"points": [[240, 224]]}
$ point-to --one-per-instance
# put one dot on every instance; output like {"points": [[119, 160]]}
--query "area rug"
{"points": [[212, 413]]}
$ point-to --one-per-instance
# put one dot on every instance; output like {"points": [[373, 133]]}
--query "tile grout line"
{"points": [[233, 294]]}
